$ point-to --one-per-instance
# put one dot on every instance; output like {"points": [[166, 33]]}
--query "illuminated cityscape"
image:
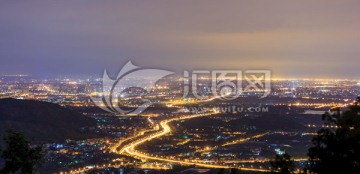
{"points": [[179, 87], [178, 132]]}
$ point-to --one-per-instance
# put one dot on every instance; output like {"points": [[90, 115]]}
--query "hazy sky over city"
{"points": [[307, 38]]}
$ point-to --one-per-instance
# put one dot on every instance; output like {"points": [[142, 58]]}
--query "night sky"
{"points": [[294, 39]]}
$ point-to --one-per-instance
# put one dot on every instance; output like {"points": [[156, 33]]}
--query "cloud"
{"points": [[290, 37]]}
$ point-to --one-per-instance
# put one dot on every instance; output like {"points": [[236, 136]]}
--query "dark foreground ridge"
{"points": [[42, 121]]}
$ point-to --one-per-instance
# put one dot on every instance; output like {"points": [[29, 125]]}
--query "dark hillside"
{"points": [[43, 121]]}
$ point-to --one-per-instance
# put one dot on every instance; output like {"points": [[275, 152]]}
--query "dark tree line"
{"points": [[19, 156], [334, 150], [282, 164]]}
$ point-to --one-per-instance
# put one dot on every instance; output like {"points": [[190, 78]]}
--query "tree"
{"points": [[282, 164], [221, 171], [19, 156], [337, 149], [234, 171]]}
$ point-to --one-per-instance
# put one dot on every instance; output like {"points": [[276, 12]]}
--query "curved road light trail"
{"points": [[130, 148], [245, 139]]}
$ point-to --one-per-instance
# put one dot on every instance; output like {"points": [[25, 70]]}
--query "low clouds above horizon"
{"points": [[292, 38]]}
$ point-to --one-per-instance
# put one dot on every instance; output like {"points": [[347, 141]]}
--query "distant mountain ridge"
{"points": [[43, 121]]}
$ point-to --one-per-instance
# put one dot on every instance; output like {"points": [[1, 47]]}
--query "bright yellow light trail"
{"points": [[130, 148], [119, 143], [245, 139]]}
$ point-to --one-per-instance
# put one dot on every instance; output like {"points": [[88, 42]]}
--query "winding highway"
{"points": [[130, 144], [129, 149]]}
